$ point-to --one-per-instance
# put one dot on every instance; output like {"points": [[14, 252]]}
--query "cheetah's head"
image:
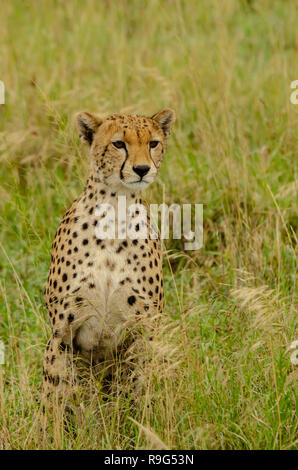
{"points": [[126, 149]]}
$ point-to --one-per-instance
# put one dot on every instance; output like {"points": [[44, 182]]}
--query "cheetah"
{"points": [[99, 287]]}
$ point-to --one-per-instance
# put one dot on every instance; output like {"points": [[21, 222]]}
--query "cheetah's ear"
{"points": [[165, 119], [87, 125]]}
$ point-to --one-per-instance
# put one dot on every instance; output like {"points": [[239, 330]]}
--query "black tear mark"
{"points": [[122, 166]]}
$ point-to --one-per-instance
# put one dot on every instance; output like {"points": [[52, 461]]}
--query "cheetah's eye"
{"points": [[153, 144], [119, 144]]}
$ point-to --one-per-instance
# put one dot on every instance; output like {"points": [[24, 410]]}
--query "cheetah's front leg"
{"points": [[59, 378]]}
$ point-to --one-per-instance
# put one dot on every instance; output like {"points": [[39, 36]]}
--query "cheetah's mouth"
{"points": [[141, 180], [138, 184]]}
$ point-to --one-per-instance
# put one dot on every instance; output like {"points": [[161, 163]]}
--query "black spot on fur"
{"points": [[131, 300], [70, 317]]}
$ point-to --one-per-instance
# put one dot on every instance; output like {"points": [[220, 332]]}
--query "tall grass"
{"points": [[231, 307]]}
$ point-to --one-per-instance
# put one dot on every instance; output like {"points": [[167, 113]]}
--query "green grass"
{"points": [[231, 307]]}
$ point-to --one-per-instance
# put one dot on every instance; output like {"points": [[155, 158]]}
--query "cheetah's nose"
{"points": [[141, 170]]}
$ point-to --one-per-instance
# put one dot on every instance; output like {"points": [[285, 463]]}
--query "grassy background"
{"points": [[231, 307]]}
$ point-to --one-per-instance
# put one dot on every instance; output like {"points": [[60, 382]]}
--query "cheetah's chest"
{"points": [[98, 287], [114, 293], [108, 271]]}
